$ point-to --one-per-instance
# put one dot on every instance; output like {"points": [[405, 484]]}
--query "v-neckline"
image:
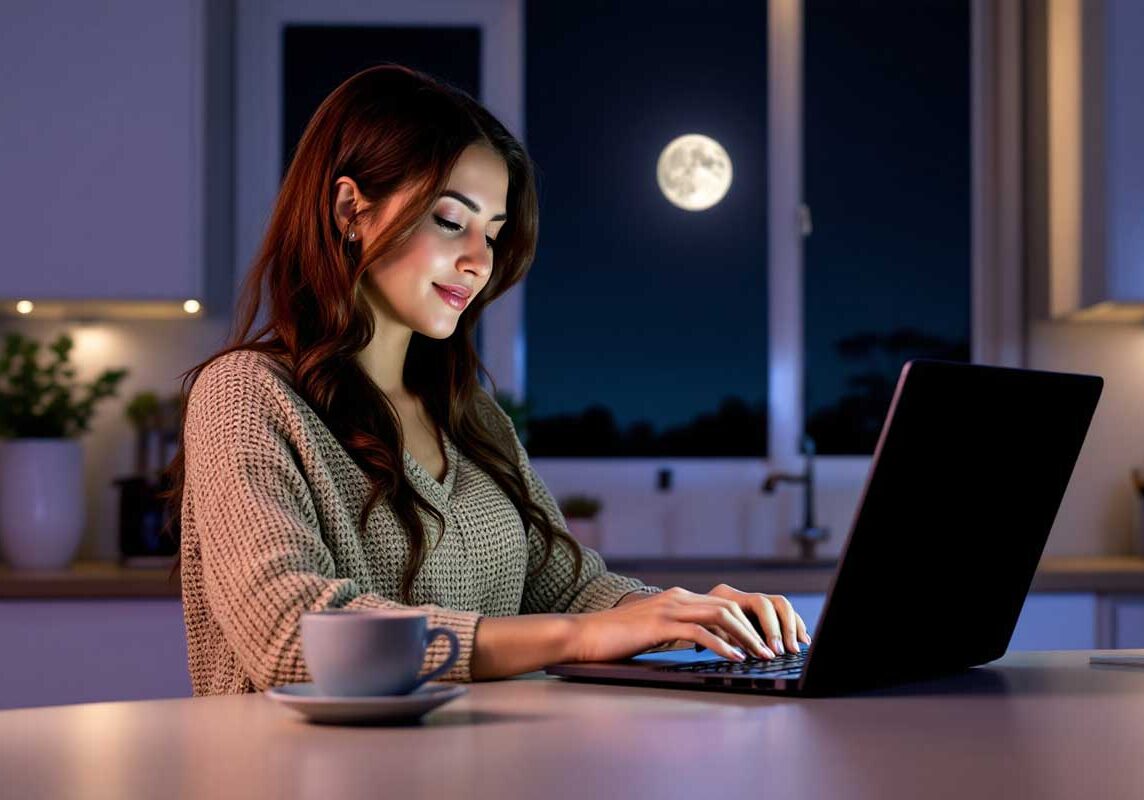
{"points": [[413, 468], [445, 486]]}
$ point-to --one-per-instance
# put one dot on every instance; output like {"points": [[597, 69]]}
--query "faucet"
{"points": [[810, 534]]}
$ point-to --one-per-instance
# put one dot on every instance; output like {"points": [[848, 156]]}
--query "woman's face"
{"points": [[451, 247]]}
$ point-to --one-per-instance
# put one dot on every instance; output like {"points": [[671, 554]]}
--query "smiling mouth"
{"points": [[454, 300]]}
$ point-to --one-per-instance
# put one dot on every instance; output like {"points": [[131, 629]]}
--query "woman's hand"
{"points": [[716, 620], [782, 628]]}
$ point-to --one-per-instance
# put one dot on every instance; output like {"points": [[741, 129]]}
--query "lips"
{"points": [[461, 291], [452, 300]]}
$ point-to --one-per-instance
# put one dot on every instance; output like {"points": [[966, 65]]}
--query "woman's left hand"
{"points": [[781, 627]]}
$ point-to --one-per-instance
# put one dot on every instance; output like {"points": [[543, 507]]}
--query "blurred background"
{"points": [[752, 215]]}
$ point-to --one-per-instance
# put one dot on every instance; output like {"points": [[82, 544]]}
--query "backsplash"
{"points": [[707, 512]]}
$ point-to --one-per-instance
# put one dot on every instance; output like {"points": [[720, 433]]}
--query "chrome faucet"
{"points": [[810, 534]]}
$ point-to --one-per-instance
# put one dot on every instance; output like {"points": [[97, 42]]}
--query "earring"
{"points": [[351, 236]]}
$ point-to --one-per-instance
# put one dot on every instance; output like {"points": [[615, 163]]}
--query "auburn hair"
{"points": [[390, 129]]}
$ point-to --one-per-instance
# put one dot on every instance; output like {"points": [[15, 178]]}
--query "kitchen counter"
{"points": [[1045, 725], [88, 579], [1099, 574]]}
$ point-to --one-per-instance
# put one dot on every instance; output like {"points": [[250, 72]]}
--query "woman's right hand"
{"points": [[674, 614]]}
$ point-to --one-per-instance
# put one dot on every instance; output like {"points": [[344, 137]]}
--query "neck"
{"points": [[383, 359]]}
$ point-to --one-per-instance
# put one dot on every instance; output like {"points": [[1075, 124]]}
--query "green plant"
{"points": [[580, 506], [43, 401], [143, 410]]}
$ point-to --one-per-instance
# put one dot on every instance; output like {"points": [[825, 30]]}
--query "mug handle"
{"points": [[455, 647]]}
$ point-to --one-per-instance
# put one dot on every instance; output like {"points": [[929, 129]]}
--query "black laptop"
{"points": [[966, 480]]}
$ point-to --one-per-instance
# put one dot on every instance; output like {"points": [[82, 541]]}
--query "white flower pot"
{"points": [[41, 502]]}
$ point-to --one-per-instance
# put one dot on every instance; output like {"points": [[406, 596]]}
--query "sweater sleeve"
{"points": [[263, 558], [552, 589]]}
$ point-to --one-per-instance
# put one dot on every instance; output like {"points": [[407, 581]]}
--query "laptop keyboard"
{"points": [[788, 662]]}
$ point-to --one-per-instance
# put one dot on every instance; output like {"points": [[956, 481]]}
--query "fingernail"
{"points": [[739, 654], [777, 646]]}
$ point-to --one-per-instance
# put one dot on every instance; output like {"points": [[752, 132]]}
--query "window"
{"points": [[887, 178], [646, 323], [317, 58]]}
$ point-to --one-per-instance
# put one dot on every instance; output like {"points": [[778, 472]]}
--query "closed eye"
{"points": [[452, 226]]}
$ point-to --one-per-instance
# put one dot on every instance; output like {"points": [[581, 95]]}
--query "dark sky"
{"points": [[655, 311], [659, 312], [887, 175]]}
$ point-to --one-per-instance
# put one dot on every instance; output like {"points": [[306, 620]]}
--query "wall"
{"points": [[1100, 512]]}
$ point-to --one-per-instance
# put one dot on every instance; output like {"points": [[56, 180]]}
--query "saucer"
{"points": [[306, 699]]}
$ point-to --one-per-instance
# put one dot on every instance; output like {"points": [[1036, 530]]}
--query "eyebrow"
{"points": [[471, 205]]}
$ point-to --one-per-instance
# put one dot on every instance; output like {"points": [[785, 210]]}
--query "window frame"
{"points": [[997, 312], [998, 328]]}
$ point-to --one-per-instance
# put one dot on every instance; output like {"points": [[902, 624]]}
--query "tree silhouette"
{"points": [[852, 425], [734, 429]]}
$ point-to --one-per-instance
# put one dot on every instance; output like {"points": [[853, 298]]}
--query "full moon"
{"points": [[694, 172]]}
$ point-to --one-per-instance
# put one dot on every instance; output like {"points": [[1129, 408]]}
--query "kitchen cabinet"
{"points": [[1121, 620], [1056, 621], [61, 651], [1085, 86], [105, 157], [83, 651]]}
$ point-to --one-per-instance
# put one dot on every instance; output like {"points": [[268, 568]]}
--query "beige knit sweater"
{"points": [[269, 513]]}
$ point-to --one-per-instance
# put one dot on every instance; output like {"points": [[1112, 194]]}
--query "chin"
{"points": [[437, 331]]}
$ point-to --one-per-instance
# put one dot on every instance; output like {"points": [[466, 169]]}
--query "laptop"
{"points": [[967, 477]]}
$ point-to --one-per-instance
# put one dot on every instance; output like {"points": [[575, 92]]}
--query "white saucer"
{"points": [[305, 699]]}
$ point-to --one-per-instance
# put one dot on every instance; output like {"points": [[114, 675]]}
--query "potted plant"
{"points": [[580, 512], [142, 513], [42, 414]]}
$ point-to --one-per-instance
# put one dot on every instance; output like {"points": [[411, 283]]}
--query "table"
{"points": [[1031, 725]]}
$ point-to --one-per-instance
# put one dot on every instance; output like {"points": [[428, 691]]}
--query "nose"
{"points": [[477, 256]]}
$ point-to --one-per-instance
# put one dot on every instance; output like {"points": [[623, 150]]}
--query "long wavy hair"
{"points": [[388, 128]]}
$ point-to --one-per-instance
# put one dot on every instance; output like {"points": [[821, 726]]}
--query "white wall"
{"points": [[1100, 512]]}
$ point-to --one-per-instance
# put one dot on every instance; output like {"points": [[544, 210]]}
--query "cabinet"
{"points": [[1049, 621], [58, 652], [104, 151], [1084, 140], [82, 651]]}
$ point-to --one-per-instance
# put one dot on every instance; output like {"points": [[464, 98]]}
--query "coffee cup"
{"points": [[356, 653]]}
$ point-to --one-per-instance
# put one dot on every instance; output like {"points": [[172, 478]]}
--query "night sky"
{"points": [[654, 311], [887, 176], [659, 313]]}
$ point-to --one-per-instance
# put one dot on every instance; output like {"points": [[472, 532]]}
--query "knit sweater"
{"points": [[269, 530]]}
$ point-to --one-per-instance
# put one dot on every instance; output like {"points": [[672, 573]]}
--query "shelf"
{"points": [[88, 579]]}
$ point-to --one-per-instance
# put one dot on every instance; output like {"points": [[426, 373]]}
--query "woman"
{"points": [[320, 453]]}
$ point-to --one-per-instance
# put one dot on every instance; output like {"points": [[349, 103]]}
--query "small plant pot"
{"points": [[41, 502], [586, 530]]}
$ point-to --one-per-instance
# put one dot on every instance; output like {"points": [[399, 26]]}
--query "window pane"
{"points": [[646, 324], [887, 179], [317, 58]]}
